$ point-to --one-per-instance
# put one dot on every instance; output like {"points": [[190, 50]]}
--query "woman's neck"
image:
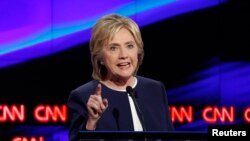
{"points": [[118, 83]]}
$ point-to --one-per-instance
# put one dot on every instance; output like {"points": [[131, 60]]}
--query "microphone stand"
{"points": [[130, 91]]}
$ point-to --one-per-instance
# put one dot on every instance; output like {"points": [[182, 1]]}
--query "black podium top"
{"points": [[148, 135]]}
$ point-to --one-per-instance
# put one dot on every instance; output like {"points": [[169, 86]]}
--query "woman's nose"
{"points": [[123, 54]]}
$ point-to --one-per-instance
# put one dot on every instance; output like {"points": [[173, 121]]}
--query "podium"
{"points": [[142, 136]]}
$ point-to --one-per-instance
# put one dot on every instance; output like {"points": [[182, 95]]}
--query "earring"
{"points": [[102, 63]]}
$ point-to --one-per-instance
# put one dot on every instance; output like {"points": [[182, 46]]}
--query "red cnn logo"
{"points": [[215, 114], [181, 114], [13, 113], [247, 115], [50, 113], [28, 139]]}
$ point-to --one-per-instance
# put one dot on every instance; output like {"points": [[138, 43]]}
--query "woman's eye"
{"points": [[130, 46], [113, 48]]}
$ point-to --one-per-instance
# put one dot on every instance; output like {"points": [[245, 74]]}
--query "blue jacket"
{"points": [[150, 95]]}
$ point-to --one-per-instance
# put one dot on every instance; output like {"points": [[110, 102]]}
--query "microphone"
{"points": [[130, 91]]}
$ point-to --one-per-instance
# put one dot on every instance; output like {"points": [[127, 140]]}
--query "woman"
{"points": [[104, 104]]}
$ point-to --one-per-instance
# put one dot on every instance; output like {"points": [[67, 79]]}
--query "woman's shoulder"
{"points": [[148, 81], [87, 87], [149, 86]]}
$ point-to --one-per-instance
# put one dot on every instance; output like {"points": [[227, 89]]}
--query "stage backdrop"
{"points": [[198, 48]]}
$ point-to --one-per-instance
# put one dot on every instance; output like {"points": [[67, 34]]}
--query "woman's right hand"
{"points": [[96, 106]]}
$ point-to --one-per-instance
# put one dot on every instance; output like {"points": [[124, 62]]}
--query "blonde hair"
{"points": [[104, 31]]}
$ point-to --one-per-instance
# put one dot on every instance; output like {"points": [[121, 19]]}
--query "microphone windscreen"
{"points": [[129, 90]]}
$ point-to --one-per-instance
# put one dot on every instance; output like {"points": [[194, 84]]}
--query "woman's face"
{"points": [[120, 56]]}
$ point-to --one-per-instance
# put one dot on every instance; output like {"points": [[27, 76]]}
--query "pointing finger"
{"points": [[98, 90]]}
